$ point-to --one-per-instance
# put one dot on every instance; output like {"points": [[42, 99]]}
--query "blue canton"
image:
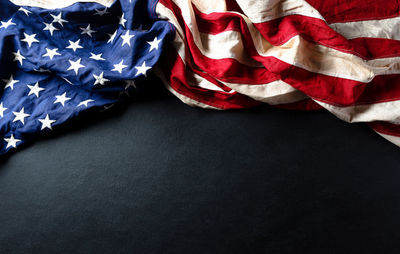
{"points": [[57, 63]]}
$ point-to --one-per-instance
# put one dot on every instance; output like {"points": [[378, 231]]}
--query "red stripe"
{"points": [[337, 91], [373, 48], [345, 11], [175, 71], [386, 128], [212, 80]]}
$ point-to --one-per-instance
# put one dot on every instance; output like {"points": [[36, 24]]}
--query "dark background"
{"points": [[157, 176]]}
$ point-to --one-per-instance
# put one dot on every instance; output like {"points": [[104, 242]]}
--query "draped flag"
{"points": [[343, 56], [59, 58]]}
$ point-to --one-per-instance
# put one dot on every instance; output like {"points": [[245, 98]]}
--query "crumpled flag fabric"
{"points": [[342, 56], [59, 58]]}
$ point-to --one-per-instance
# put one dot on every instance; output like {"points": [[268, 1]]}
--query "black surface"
{"points": [[162, 177]]}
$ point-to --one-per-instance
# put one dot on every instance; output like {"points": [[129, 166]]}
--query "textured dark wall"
{"points": [[162, 177]]}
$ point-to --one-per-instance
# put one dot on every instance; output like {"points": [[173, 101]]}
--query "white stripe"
{"points": [[383, 28], [394, 139], [179, 41], [209, 6], [273, 93], [188, 100], [383, 111], [54, 4], [324, 60], [232, 47], [196, 80], [259, 11]]}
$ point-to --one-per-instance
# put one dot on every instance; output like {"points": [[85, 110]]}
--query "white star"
{"points": [[87, 30], [62, 99], [142, 69], [20, 116], [7, 24], [10, 82], [127, 38], [154, 44], [119, 67], [85, 103], [49, 27], [58, 19], [74, 45], [101, 12], [130, 83], [97, 57], [35, 89], [112, 37], [29, 38], [2, 109], [18, 57], [11, 141], [25, 11], [122, 20], [100, 79], [46, 122], [75, 65], [51, 53]]}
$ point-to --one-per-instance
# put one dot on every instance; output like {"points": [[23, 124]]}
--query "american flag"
{"points": [[59, 58]]}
